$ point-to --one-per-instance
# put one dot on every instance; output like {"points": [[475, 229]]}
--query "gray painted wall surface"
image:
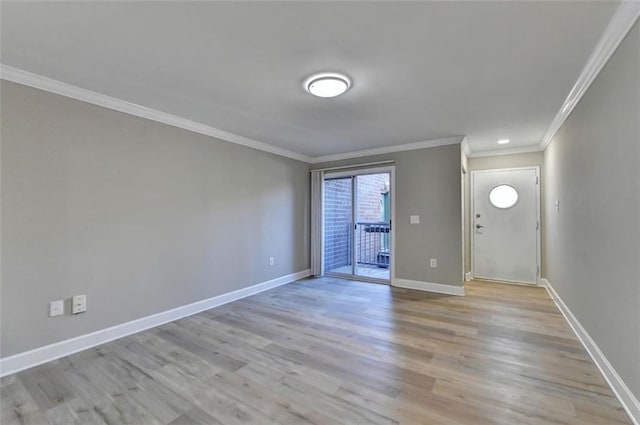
{"points": [[489, 163], [506, 161], [140, 216], [427, 184], [593, 241]]}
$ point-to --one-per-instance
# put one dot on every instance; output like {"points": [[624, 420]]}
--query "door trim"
{"points": [[536, 168], [391, 169]]}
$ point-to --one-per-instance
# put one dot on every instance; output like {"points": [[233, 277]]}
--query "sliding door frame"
{"points": [[391, 170]]}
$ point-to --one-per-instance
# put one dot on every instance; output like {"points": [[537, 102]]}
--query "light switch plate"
{"points": [[56, 308], [79, 304], [414, 219]]}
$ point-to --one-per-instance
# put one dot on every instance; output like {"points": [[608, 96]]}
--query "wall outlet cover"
{"points": [[56, 308], [414, 219], [79, 304]]}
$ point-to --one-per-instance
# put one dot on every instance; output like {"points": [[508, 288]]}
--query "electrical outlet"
{"points": [[56, 308], [433, 263], [414, 219], [79, 304], [272, 261], [557, 205]]}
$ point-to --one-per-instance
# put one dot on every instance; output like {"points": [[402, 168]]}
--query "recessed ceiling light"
{"points": [[327, 84], [503, 141]]}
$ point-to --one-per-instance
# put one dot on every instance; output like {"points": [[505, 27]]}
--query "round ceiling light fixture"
{"points": [[328, 84]]}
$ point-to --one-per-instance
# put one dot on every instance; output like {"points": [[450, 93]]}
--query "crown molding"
{"points": [[621, 22], [619, 26], [507, 151], [453, 140], [30, 79], [465, 147], [40, 82]]}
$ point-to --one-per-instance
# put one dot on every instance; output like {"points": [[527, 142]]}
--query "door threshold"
{"points": [[359, 278], [508, 282]]}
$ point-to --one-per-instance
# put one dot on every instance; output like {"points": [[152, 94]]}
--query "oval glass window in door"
{"points": [[503, 196]]}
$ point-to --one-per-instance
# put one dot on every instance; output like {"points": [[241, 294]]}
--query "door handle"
{"points": [[479, 226]]}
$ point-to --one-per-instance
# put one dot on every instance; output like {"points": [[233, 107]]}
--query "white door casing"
{"points": [[506, 238]]}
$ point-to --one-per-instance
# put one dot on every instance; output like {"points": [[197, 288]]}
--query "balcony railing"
{"points": [[372, 243]]}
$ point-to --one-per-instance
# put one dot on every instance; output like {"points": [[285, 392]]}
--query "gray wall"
{"points": [[488, 163], [593, 241], [140, 216], [506, 161], [427, 184]]}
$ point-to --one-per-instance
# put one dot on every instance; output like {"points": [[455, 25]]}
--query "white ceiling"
{"points": [[420, 70]]}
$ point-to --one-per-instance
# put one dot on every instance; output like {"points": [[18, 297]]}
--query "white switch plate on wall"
{"points": [[433, 263], [56, 308], [79, 304], [414, 219]]}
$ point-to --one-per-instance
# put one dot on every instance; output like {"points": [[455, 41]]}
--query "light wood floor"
{"points": [[330, 351]]}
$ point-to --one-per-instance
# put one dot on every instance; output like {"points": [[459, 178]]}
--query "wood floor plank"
{"points": [[331, 351], [74, 412], [17, 405], [195, 416], [47, 386]]}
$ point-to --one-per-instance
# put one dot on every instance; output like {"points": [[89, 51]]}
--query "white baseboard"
{"points": [[629, 402], [428, 286], [468, 276], [21, 361]]}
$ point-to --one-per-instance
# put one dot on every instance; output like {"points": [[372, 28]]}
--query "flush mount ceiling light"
{"points": [[328, 84], [503, 141]]}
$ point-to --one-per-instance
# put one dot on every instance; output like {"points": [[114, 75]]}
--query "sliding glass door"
{"points": [[357, 225]]}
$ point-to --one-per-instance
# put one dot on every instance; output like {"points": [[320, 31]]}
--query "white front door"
{"points": [[505, 224]]}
